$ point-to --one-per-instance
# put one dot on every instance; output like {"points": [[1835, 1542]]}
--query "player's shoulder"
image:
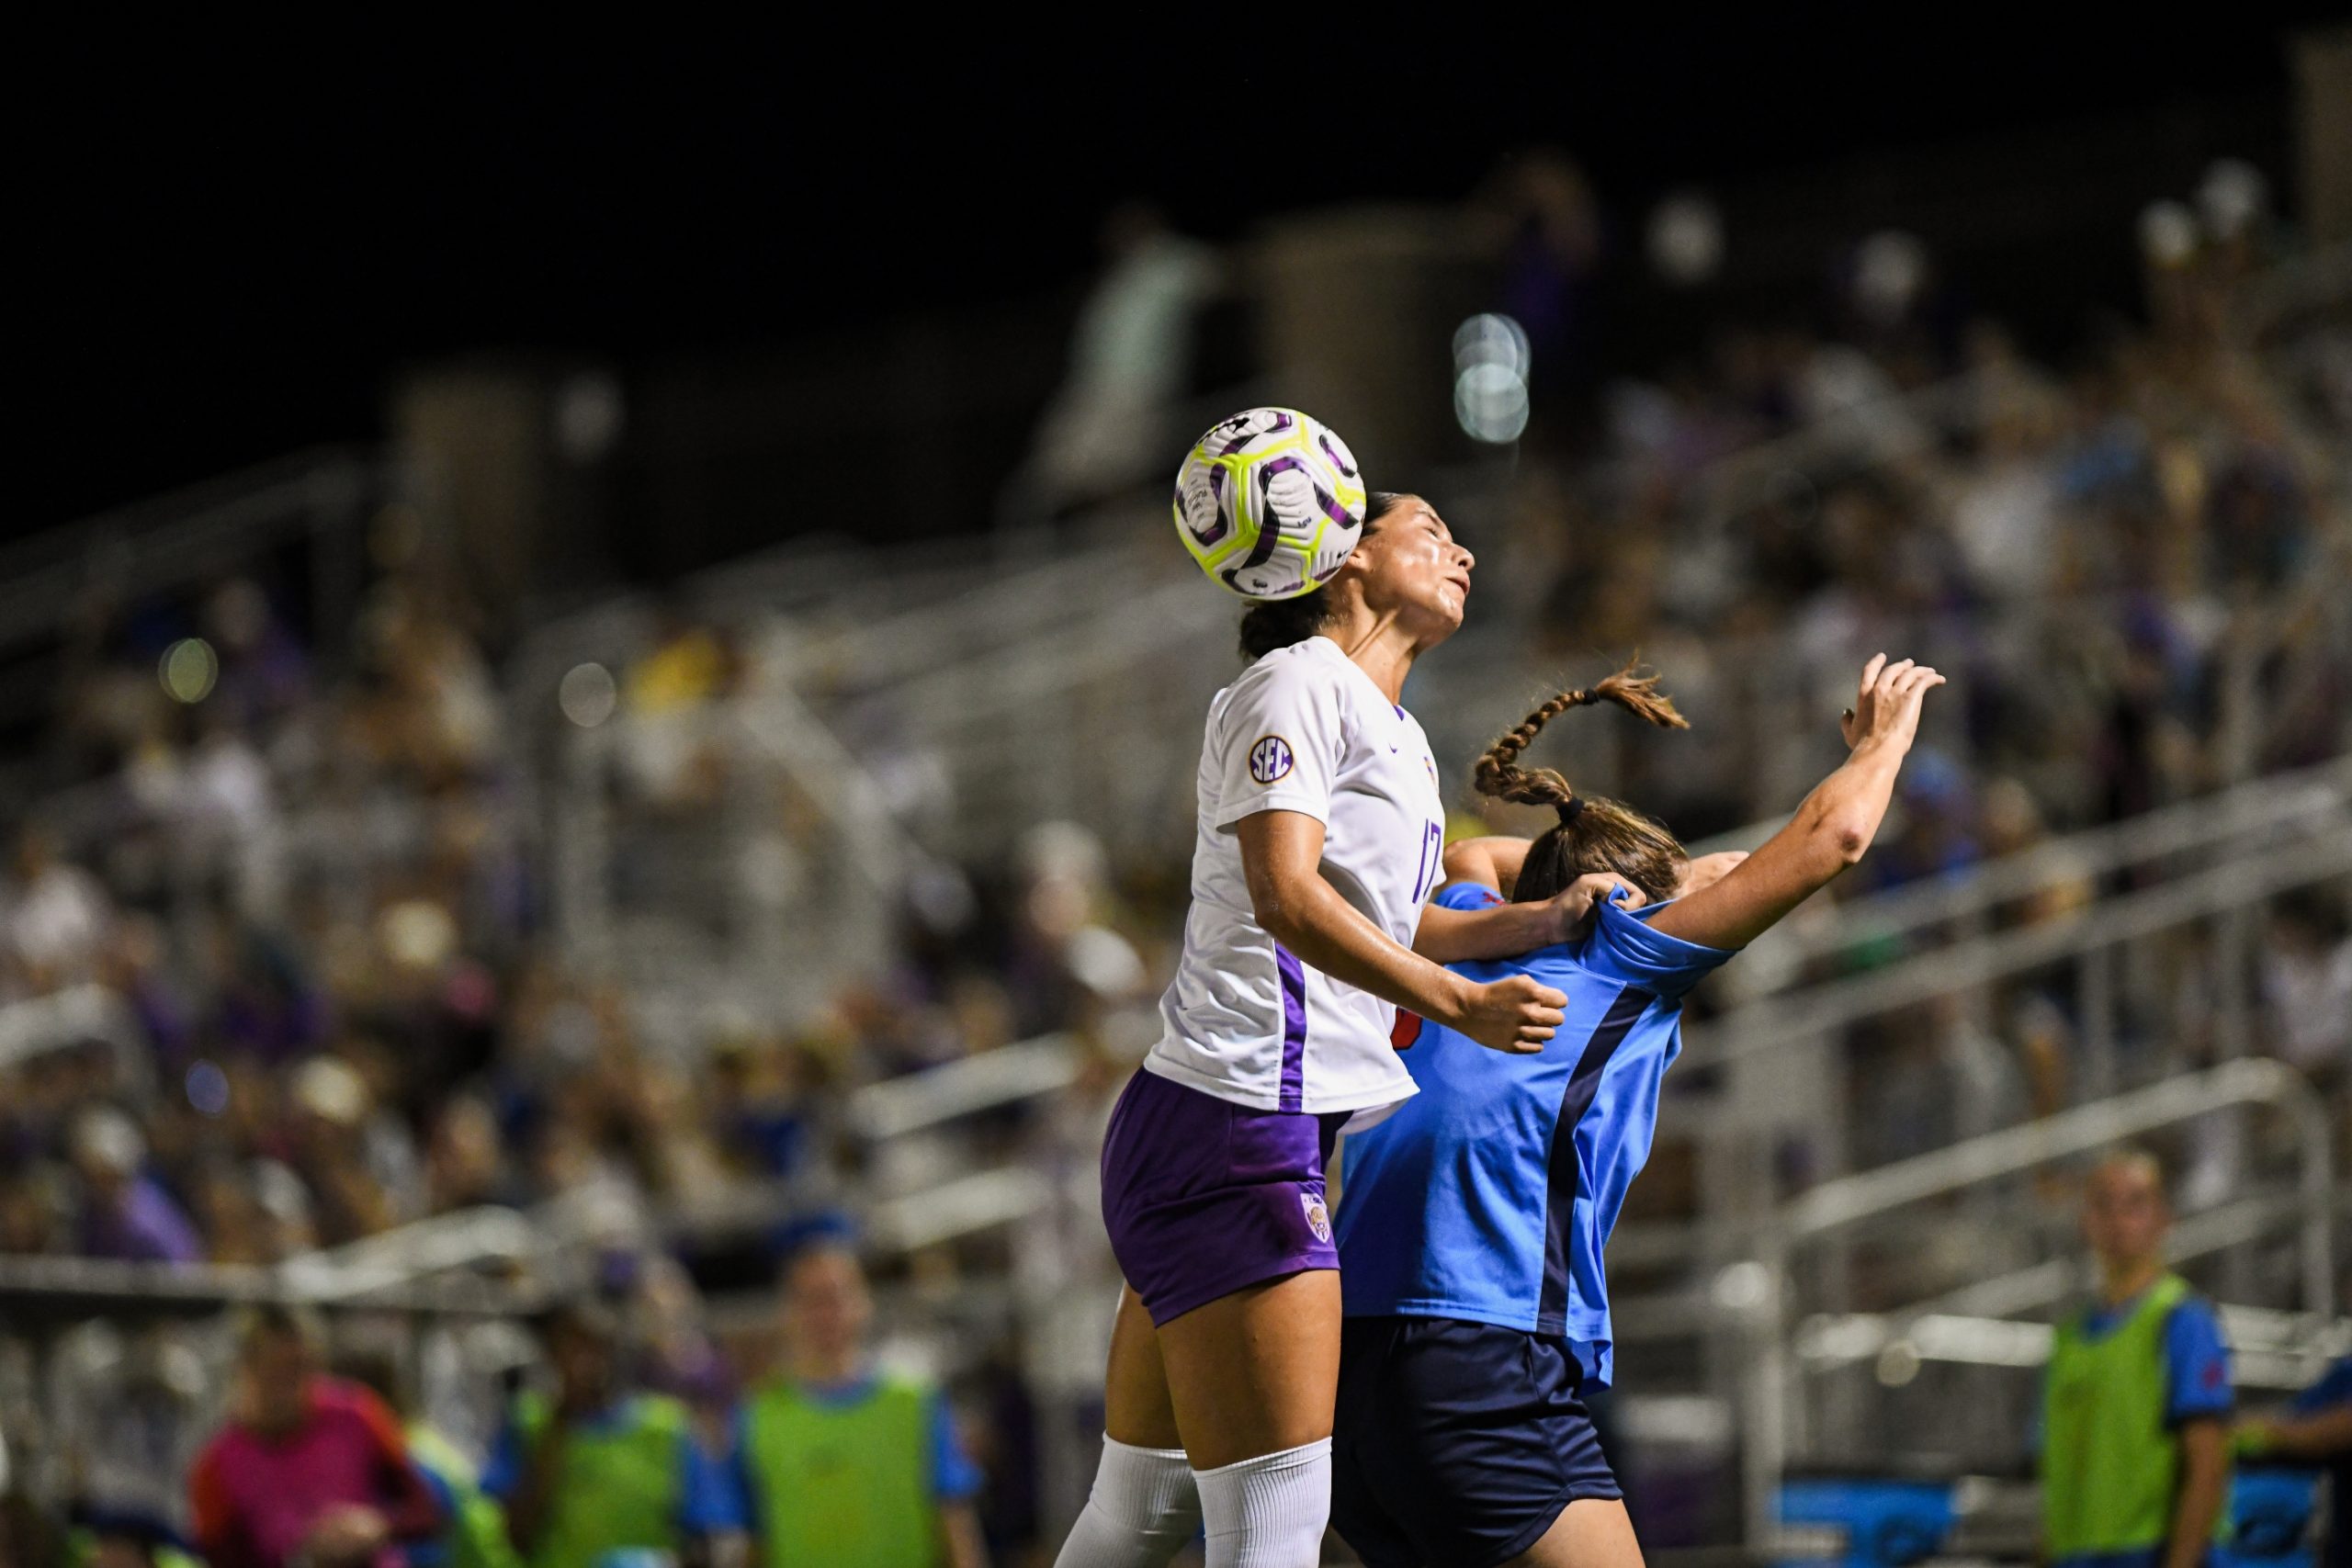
{"points": [[1310, 663], [2192, 1316], [1292, 679]]}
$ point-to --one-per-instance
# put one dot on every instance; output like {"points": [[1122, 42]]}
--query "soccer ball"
{"points": [[1270, 504]]}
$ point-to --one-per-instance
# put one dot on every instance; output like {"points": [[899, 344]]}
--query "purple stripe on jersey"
{"points": [[1294, 1027]]}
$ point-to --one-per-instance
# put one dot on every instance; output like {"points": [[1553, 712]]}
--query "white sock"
{"points": [[1143, 1510], [1269, 1512]]}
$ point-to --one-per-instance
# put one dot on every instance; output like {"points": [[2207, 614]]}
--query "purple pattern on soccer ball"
{"points": [[1337, 451], [1197, 505], [1250, 426], [1332, 508], [1267, 473]]}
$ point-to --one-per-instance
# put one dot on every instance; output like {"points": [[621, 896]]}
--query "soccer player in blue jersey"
{"points": [[1471, 1221]]}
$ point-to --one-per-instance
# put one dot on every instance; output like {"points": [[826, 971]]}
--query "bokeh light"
{"points": [[1491, 402], [2167, 232], [208, 1088], [1686, 239], [1492, 360], [587, 694], [188, 668]]}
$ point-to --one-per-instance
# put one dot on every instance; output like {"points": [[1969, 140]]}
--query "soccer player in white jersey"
{"points": [[1321, 833]]}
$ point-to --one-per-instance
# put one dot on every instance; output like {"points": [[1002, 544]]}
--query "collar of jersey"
{"points": [[1357, 670]]}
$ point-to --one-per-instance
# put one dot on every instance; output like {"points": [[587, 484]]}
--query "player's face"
{"points": [[2124, 1215], [278, 1383], [1413, 568], [827, 1307]]}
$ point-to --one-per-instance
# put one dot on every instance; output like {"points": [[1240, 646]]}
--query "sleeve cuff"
{"points": [[1467, 895], [1274, 800]]}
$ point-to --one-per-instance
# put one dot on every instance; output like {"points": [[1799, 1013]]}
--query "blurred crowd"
{"points": [[276, 967]]}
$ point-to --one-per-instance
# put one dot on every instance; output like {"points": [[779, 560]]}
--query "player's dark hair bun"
{"points": [[1279, 623]]}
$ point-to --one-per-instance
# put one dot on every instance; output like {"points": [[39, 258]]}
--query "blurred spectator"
{"points": [[1108, 427], [842, 1463], [598, 1468], [1538, 212], [309, 1471], [125, 1212], [57, 917], [473, 1530], [2307, 987], [2136, 1399], [2316, 1426]]}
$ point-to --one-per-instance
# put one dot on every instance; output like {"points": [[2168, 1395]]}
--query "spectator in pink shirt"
{"points": [[309, 1471]]}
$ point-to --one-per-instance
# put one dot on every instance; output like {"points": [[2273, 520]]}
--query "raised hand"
{"points": [[1886, 703]]}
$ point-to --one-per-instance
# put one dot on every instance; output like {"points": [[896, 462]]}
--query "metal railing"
{"points": [[2310, 846], [1768, 1409]]}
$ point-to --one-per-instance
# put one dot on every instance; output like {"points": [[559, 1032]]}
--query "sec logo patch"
{"points": [[1269, 759]]}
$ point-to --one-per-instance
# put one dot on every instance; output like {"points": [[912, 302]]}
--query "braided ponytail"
{"points": [[1592, 834], [1500, 776]]}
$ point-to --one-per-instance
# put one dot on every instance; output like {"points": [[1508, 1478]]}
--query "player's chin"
{"points": [[1442, 608]]}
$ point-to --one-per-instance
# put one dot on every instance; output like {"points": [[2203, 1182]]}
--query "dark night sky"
{"points": [[233, 238]]}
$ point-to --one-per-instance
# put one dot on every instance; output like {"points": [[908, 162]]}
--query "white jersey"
{"points": [[1303, 729]]}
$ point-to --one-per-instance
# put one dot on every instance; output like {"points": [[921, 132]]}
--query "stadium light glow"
{"points": [[1492, 339], [1490, 402], [1491, 362]]}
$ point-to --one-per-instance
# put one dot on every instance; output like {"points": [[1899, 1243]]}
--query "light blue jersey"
{"points": [[1489, 1195]]}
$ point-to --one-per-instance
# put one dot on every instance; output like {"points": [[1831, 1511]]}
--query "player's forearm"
{"points": [[1503, 931], [526, 1510], [2321, 1435], [962, 1544], [1838, 820], [1306, 915], [2204, 1477]]}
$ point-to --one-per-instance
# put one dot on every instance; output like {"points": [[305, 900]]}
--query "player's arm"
{"points": [[1505, 931], [1491, 862], [412, 1510], [961, 1544], [1830, 831], [2197, 1504], [2322, 1434], [217, 1524], [1282, 854]]}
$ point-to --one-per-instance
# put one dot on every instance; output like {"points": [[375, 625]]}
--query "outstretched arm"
{"points": [[1282, 853], [1505, 931], [1830, 831]]}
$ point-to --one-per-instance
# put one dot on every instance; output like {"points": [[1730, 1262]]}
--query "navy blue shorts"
{"points": [[1456, 1442]]}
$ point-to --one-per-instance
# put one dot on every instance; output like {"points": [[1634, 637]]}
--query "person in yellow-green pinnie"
{"points": [[2136, 1402], [842, 1464]]}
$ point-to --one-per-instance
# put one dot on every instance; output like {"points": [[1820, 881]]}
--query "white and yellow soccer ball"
{"points": [[1270, 503]]}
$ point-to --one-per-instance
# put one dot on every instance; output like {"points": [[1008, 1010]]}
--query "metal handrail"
{"points": [[180, 534], [73, 1016], [1776, 1021], [2204, 823], [2258, 1080], [2268, 1349], [1027, 1069], [1838, 1205], [81, 1286]]}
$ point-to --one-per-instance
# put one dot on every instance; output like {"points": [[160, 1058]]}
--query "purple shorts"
{"points": [[1203, 1198]]}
